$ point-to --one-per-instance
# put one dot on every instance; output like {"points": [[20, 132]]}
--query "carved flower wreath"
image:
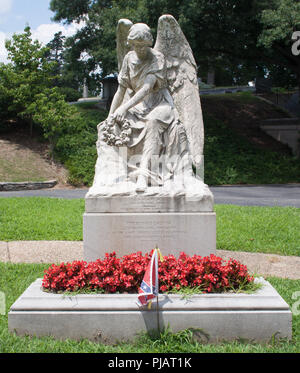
{"points": [[110, 136]]}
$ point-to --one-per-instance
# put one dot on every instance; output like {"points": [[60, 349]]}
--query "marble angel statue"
{"points": [[152, 139]]}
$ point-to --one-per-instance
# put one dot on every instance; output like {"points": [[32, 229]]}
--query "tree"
{"points": [[26, 87], [241, 35], [280, 19], [53, 114], [28, 74], [65, 77], [215, 29], [55, 54]]}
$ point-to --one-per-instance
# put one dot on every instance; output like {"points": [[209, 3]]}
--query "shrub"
{"points": [[76, 146]]}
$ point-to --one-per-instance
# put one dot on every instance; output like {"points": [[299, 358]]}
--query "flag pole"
{"points": [[158, 327], [157, 310]]}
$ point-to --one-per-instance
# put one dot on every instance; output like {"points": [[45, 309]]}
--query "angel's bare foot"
{"points": [[141, 184]]}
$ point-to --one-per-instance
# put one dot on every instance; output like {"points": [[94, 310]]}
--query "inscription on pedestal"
{"points": [[124, 233], [147, 232]]}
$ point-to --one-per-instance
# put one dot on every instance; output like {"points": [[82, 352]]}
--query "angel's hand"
{"points": [[119, 114]]}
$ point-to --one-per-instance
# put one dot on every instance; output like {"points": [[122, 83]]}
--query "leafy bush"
{"points": [[76, 145], [231, 159], [54, 115], [70, 94]]}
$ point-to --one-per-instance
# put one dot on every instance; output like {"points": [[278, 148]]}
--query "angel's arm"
{"points": [[136, 99], [142, 93]]}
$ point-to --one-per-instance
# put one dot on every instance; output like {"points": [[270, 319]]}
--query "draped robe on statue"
{"points": [[156, 130]]}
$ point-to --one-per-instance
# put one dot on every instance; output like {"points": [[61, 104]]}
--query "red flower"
{"points": [[125, 274]]}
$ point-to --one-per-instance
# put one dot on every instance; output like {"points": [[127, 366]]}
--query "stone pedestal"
{"points": [[117, 317], [127, 224]]}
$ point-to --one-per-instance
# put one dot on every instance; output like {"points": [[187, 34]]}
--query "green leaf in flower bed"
{"points": [[248, 288], [186, 292]]}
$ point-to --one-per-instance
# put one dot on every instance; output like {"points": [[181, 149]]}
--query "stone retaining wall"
{"points": [[27, 185]]}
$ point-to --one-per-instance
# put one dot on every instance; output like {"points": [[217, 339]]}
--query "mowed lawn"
{"points": [[240, 228]]}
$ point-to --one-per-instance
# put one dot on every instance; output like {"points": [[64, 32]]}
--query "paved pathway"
{"points": [[67, 251], [242, 195], [258, 195]]}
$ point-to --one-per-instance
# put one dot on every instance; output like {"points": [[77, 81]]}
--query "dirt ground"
{"points": [[25, 158], [266, 264]]}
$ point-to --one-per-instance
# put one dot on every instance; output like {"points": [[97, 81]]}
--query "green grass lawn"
{"points": [[239, 228], [15, 278]]}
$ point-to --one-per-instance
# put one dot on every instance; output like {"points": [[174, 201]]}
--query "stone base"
{"points": [[149, 203], [126, 233], [139, 222], [117, 317]]}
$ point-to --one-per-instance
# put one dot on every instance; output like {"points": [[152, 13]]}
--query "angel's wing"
{"points": [[122, 46], [182, 81]]}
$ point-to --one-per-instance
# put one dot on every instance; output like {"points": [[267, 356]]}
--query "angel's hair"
{"points": [[140, 32]]}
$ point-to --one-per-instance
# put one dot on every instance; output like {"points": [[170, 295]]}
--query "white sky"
{"points": [[16, 14]]}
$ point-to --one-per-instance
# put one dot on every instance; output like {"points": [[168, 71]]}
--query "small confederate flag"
{"points": [[149, 286]]}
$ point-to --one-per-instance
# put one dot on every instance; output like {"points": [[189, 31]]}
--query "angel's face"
{"points": [[141, 49]]}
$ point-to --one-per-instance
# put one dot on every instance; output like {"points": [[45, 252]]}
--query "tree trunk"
{"points": [[30, 127], [51, 149], [298, 80]]}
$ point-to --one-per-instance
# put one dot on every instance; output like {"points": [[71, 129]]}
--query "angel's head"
{"points": [[140, 39]]}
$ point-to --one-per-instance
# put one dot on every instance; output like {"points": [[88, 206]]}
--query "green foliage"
{"points": [[80, 166], [244, 287], [239, 39], [27, 76], [281, 76], [69, 10], [70, 94], [66, 82], [71, 69], [278, 90], [76, 145], [6, 94], [26, 87], [231, 159], [52, 112], [280, 20], [198, 19]]}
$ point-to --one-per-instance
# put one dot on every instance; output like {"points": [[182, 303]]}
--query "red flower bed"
{"points": [[125, 274]]}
